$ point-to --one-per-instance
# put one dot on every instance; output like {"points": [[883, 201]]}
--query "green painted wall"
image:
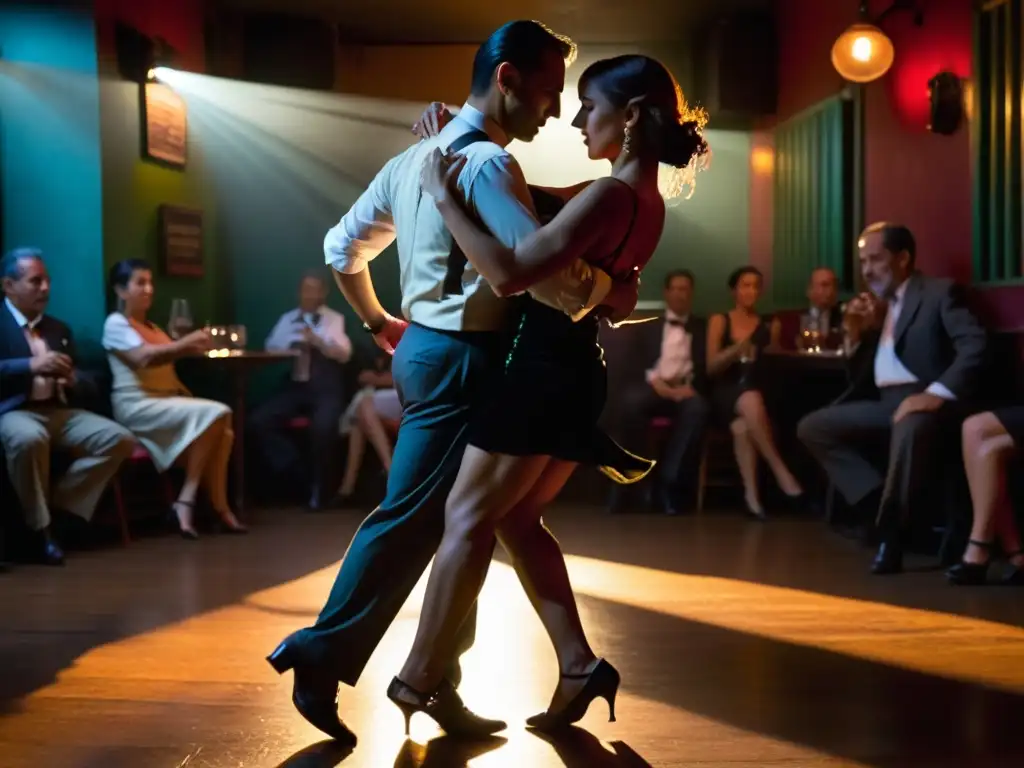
{"points": [[134, 189], [709, 234], [285, 165], [50, 153]]}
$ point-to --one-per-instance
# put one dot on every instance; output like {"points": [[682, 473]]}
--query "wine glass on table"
{"points": [[180, 323]]}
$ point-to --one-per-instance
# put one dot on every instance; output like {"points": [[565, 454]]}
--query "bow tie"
{"points": [[677, 323]]}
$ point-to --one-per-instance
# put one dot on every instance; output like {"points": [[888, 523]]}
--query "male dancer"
{"points": [[445, 358]]}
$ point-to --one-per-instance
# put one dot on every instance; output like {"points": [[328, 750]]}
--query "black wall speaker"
{"points": [[280, 49], [947, 103], [736, 66]]}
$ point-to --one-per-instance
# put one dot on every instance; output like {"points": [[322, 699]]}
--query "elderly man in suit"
{"points": [[673, 352], [916, 353], [37, 385]]}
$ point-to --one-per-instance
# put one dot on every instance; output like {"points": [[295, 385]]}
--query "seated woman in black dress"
{"points": [[736, 340], [540, 420], [990, 439]]}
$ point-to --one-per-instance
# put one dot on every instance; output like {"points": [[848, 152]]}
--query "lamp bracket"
{"points": [[913, 6]]}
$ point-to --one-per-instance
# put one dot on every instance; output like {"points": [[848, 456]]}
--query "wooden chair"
{"points": [[139, 457], [717, 467]]}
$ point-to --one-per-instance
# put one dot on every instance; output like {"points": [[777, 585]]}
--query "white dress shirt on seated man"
{"points": [[889, 370], [325, 323], [675, 363], [43, 387], [494, 186]]}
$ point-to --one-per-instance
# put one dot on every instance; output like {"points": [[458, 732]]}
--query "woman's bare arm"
{"points": [[598, 214], [150, 355], [719, 358]]}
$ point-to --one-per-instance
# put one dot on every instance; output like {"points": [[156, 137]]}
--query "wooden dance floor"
{"points": [[739, 645]]}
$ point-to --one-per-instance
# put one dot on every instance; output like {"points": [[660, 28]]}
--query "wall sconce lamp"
{"points": [[140, 56], [864, 52]]}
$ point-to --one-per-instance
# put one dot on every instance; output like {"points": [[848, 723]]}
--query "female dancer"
{"points": [[541, 420]]}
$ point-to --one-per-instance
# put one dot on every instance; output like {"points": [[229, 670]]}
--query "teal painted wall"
{"points": [[50, 159]]}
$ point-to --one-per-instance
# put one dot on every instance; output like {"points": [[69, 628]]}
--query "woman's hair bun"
{"points": [[681, 143]]}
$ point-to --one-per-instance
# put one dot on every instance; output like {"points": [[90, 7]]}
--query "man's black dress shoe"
{"points": [[888, 560], [314, 692]]}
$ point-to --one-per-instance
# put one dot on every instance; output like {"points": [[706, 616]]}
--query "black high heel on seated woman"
{"points": [[972, 574], [602, 682], [1015, 576], [444, 707], [186, 532]]}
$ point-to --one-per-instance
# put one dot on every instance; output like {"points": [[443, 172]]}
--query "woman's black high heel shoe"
{"points": [[444, 707], [602, 682], [971, 574], [757, 511], [175, 520], [1015, 576]]}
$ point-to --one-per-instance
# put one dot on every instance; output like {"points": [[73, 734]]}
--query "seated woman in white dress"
{"points": [[150, 400], [373, 412]]}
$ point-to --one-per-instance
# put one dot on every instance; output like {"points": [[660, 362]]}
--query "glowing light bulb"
{"points": [[861, 49]]}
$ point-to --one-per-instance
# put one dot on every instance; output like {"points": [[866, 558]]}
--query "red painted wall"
{"points": [[911, 175], [179, 22]]}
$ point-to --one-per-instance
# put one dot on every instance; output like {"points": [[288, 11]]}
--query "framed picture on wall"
{"points": [[164, 125], [181, 241]]}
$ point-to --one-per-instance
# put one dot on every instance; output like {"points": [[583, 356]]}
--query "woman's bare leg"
{"points": [[372, 425], [750, 407], [540, 566], [195, 458], [215, 476], [746, 460], [986, 446], [354, 459], [488, 486]]}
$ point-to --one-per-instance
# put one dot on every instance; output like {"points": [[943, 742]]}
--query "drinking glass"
{"points": [[180, 322], [236, 337]]}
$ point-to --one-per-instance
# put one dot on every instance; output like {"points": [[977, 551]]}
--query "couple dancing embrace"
{"points": [[501, 395]]}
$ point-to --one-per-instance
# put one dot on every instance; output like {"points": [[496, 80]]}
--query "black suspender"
{"points": [[456, 258]]}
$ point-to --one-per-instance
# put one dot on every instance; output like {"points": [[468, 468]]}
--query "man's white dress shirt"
{"points": [[43, 387], [325, 323], [675, 364], [394, 206], [889, 369]]}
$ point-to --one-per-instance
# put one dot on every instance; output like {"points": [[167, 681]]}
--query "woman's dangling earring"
{"points": [[626, 140]]}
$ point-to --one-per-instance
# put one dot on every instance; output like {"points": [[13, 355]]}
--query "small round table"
{"points": [[237, 364]]}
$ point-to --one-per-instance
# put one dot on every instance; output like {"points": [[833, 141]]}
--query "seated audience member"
{"points": [[38, 384], [825, 312], [316, 390], [372, 410], [674, 386], [914, 349], [148, 398], [989, 441], [736, 341]]}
